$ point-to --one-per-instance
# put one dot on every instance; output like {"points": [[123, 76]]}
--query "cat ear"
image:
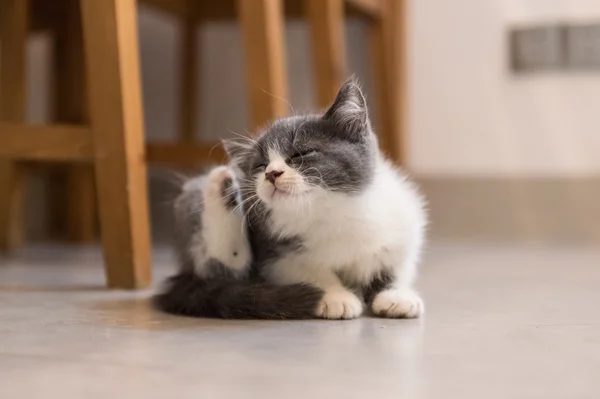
{"points": [[349, 110], [236, 149]]}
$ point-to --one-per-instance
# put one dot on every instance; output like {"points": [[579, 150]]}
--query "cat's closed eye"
{"points": [[258, 168], [303, 154]]}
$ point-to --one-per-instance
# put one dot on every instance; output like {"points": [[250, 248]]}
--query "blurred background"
{"points": [[502, 129], [495, 113]]}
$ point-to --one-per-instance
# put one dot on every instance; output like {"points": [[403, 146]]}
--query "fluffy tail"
{"points": [[189, 295]]}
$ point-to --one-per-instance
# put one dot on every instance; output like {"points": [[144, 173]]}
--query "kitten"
{"points": [[215, 260], [328, 219]]}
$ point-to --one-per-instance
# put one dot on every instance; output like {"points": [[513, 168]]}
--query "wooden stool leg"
{"points": [[388, 43], [14, 18], [113, 73], [81, 200], [12, 200], [326, 18], [188, 82], [263, 35], [72, 192]]}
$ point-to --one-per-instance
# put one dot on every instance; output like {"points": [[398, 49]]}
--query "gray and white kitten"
{"points": [[320, 225]]}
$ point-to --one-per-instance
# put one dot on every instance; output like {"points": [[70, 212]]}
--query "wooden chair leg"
{"points": [[14, 20], [262, 25], [326, 18], [72, 200], [12, 200], [113, 73], [389, 70], [189, 79], [81, 200]]}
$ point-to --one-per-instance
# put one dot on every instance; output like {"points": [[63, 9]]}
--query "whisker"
{"points": [[212, 149], [319, 178], [282, 99], [247, 214], [241, 204], [249, 139]]}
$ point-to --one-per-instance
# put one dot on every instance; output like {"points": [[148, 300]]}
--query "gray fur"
{"points": [[229, 192], [187, 210], [221, 291], [336, 151], [380, 283]]}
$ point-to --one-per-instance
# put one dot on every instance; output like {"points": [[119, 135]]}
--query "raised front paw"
{"points": [[398, 303], [339, 304], [221, 186]]}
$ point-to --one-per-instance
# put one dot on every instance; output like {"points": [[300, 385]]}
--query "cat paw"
{"points": [[398, 304], [219, 178], [221, 185], [339, 305]]}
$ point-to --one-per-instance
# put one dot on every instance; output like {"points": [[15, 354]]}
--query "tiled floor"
{"points": [[501, 322]]}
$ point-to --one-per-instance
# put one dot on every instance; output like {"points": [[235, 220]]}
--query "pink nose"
{"points": [[273, 175]]}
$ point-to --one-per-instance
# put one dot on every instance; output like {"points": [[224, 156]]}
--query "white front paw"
{"points": [[339, 304], [398, 303], [218, 178]]}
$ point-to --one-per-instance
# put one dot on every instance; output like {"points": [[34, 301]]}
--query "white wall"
{"points": [[470, 116]]}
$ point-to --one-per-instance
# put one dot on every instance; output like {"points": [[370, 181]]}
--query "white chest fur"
{"points": [[357, 235]]}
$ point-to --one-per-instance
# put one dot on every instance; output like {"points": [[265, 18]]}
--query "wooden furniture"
{"points": [[262, 23], [99, 124], [112, 141]]}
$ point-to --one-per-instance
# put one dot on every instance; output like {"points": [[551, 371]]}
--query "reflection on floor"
{"points": [[501, 322]]}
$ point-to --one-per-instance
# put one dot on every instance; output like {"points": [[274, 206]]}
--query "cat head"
{"points": [[300, 158]]}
